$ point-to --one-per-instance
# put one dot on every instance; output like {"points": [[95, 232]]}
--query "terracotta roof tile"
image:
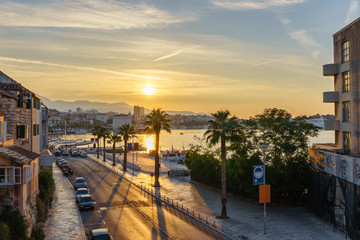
{"points": [[18, 154]]}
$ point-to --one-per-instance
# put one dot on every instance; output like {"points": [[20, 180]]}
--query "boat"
{"points": [[173, 155]]}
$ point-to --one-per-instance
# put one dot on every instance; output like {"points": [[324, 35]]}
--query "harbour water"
{"points": [[181, 139]]}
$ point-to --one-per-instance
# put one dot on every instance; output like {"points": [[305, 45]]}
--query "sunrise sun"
{"points": [[149, 90]]}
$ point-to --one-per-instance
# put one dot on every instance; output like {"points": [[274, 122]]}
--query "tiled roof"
{"points": [[18, 154], [16, 87]]}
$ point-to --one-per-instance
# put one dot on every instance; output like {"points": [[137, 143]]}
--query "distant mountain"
{"points": [[119, 107]]}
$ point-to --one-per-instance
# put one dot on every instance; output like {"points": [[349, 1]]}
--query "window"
{"points": [[20, 102], [17, 175], [34, 169], [346, 81], [36, 129], [345, 52], [36, 103], [346, 111], [20, 131], [28, 174], [6, 175], [347, 142]]}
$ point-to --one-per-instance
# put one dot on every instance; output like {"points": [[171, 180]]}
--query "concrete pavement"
{"points": [[63, 221], [246, 219]]}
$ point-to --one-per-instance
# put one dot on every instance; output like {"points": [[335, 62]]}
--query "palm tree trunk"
{"points": [[157, 160], [125, 156], [104, 148], [223, 180], [114, 154], [98, 148]]}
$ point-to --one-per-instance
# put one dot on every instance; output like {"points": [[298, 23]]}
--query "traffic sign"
{"points": [[258, 173]]}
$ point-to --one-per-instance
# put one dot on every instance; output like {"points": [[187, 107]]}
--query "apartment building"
{"points": [[119, 120], [335, 185]]}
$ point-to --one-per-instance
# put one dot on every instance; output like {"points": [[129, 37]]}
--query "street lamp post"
{"points": [[264, 148], [132, 136]]}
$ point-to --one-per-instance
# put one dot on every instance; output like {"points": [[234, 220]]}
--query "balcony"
{"points": [[331, 97], [330, 69], [331, 125]]}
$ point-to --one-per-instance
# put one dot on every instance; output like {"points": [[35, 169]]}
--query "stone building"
{"points": [[335, 183], [121, 119]]}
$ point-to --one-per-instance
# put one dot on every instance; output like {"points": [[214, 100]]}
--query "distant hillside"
{"points": [[119, 107]]}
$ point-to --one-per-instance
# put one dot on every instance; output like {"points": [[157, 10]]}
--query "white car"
{"points": [[81, 191]]}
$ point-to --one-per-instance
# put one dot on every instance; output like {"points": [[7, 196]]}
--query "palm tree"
{"points": [[155, 121], [224, 129], [113, 139], [126, 131], [97, 133], [104, 133]]}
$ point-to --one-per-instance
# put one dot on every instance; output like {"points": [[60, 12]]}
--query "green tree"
{"points": [[4, 231], [113, 139], [156, 121], [16, 223], [287, 154], [96, 132], [126, 131], [223, 129]]}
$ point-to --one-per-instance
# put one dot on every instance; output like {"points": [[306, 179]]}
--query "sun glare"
{"points": [[149, 90]]}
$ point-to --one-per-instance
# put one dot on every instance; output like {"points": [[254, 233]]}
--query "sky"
{"points": [[193, 55]]}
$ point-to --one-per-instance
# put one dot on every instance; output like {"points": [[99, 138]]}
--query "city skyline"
{"points": [[199, 56]]}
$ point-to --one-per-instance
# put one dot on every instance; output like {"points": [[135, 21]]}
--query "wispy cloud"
{"points": [[177, 52], [109, 14], [271, 61], [304, 39], [19, 60], [255, 4], [353, 12]]}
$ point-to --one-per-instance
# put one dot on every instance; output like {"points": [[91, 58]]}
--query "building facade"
{"points": [[119, 120], [139, 113], [334, 191]]}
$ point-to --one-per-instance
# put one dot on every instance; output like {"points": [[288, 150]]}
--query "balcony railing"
{"points": [[330, 69], [331, 97]]}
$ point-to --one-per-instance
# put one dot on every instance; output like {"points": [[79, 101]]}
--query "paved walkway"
{"points": [[64, 220], [247, 221]]}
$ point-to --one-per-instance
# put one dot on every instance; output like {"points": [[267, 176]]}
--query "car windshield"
{"points": [[102, 237], [81, 180], [64, 162], [83, 191], [85, 199]]}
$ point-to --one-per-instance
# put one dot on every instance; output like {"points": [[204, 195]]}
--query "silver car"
{"points": [[80, 192], [80, 183]]}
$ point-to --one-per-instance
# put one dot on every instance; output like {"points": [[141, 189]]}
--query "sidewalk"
{"points": [[64, 220], [246, 219]]}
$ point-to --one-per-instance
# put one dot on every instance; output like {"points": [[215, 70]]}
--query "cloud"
{"points": [[94, 14], [353, 12], [255, 4], [271, 61], [304, 39], [19, 60], [174, 53]]}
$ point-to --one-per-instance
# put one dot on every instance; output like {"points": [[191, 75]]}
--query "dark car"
{"points": [[65, 153], [80, 192], [80, 183], [57, 153], [86, 202], [64, 164], [59, 161], [99, 234], [75, 153]]}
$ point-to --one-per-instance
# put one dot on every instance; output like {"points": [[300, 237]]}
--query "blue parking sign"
{"points": [[258, 173]]}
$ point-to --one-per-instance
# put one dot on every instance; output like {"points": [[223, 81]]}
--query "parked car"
{"points": [[86, 202], [67, 171], [65, 153], [83, 154], [75, 153], [57, 152], [64, 164], [99, 234], [80, 192], [80, 183], [59, 161]]}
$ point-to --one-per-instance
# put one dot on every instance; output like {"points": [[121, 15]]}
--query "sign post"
{"points": [[264, 148]]}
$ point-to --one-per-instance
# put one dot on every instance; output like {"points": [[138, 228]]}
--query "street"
{"points": [[127, 212]]}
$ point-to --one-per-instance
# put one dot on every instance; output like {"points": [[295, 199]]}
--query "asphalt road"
{"points": [[127, 212]]}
